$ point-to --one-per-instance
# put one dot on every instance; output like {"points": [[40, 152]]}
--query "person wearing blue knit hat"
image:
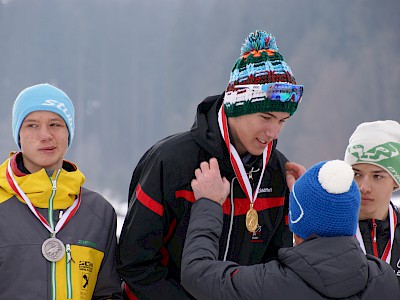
{"points": [[42, 97], [326, 262], [58, 238]]}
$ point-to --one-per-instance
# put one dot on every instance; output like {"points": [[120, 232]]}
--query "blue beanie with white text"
{"points": [[42, 97]]}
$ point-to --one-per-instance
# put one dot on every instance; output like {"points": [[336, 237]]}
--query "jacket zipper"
{"points": [[373, 235], [51, 223], [68, 271]]}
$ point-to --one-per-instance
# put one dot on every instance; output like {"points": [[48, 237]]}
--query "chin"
{"points": [[256, 153]]}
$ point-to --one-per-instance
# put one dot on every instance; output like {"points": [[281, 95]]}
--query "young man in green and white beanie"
{"points": [[374, 153]]}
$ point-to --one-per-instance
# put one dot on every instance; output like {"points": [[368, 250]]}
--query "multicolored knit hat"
{"points": [[260, 63], [376, 143], [325, 201], [42, 97]]}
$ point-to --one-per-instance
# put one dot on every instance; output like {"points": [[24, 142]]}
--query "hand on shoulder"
{"points": [[209, 183], [293, 172]]}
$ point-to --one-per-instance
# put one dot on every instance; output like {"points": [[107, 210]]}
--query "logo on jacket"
{"points": [[86, 266], [265, 190], [397, 272], [256, 234], [85, 280]]}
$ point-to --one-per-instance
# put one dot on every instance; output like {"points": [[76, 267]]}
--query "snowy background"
{"points": [[136, 70]]}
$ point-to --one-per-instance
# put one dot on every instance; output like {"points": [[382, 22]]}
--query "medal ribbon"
{"points": [[386, 253], [70, 212], [237, 162]]}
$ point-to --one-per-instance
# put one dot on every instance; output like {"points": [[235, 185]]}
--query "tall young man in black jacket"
{"points": [[240, 129]]}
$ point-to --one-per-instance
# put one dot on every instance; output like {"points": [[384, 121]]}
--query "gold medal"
{"points": [[251, 219]]}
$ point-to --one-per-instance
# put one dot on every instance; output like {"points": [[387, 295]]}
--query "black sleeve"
{"points": [[139, 254]]}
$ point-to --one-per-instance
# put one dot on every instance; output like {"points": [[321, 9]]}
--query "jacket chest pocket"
{"points": [[77, 272]]}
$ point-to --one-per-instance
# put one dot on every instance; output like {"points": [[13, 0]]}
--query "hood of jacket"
{"points": [[38, 186], [205, 129], [333, 266]]}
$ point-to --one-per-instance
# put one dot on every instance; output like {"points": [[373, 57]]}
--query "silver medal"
{"points": [[53, 249]]}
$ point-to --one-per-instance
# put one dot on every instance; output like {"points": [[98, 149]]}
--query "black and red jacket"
{"points": [[380, 229], [160, 199]]}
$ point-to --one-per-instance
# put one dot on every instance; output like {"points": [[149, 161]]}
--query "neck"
{"points": [[241, 150], [377, 215], [297, 240]]}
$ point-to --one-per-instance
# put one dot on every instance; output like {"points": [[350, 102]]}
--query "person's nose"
{"points": [[273, 130], [45, 134], [364, 185]]}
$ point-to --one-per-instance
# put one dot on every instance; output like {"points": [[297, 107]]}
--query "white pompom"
{"points": [[336, 176]]}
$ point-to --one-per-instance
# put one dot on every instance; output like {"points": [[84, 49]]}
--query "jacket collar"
{"points": [[38, 186]]}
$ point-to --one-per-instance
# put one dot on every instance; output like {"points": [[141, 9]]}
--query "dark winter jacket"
{"points": [[151, 241], [87, 269], [318, 268], [382, 238]]}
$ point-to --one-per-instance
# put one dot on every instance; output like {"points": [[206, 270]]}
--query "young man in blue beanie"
{"points": [[58, 238], [374, 153], [240, 129], [326, 263]]}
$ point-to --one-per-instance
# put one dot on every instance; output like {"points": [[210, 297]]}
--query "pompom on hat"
{"points": [[42, 97], [376, 143], [325, 201], [259, 63]]}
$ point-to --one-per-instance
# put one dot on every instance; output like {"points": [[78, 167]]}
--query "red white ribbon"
{"points": [[70, 212], [237, 162]]}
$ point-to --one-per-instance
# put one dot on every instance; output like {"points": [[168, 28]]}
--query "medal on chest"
{"points": [[251, 219], [240, 172], [53, 249]]}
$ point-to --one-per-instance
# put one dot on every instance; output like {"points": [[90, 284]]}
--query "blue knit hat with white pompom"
{"points": [[42, 97], [325, 201]]}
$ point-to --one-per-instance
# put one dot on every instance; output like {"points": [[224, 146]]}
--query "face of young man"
{"points": [[44, 141], [376, 188], [251, 133]]}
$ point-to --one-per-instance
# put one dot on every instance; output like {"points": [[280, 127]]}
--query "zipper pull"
{"points": [[54, 188], [69, 256], [374, 227]]}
